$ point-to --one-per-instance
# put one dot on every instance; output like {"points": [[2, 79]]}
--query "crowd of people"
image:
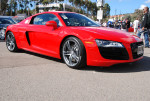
{"points": [[118, 24], [140, 27]]}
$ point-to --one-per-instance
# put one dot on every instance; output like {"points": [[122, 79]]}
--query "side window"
{"points": [[43, 18]]}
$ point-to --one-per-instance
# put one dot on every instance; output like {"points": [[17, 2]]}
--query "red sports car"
{"points": [[75, 38]]}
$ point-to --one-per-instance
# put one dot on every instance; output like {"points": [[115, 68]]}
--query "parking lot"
{"points": [[26, 76]]}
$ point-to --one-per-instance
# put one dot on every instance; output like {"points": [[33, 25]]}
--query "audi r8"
{"points": [[75, 38]]}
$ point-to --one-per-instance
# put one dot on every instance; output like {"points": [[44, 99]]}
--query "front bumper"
{"points": [[95, 58]]}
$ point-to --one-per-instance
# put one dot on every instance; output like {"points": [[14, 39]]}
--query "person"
{"points": [[135, 25], [123, 25], [116, 24], [105, 24], [127, 25], [144, 27], [120, 23], [109, 24]]}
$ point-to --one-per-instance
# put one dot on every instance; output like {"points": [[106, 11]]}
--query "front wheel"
{"points": [[73, 53], [11, 42]]}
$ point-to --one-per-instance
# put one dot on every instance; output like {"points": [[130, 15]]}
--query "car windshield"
{"points": [[74, 19], [7, 21]]}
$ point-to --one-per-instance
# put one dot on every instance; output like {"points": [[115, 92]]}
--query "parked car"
{"points": [[131, 29], [4, 22], [20, 17], [75, 38]]}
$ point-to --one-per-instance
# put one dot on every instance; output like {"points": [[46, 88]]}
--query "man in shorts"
{"points": [[135, 25]]}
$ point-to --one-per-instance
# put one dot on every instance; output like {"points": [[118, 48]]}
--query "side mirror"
{"points": [[51, 23]]}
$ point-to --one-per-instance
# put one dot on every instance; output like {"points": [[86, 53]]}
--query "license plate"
{"points": [[140, 50]]}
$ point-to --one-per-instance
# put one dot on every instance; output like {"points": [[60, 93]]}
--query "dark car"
{"points": [[20, 17], [4, 22]]}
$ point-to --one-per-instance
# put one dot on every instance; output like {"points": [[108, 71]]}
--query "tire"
{"points": [[11, 42], [73, 53]]}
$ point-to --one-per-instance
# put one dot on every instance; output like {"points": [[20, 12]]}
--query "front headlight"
{"points": [[106, 43], [2, 34]]}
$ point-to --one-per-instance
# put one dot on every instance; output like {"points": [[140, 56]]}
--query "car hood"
{"points": [[4, 25], [109, 34]]}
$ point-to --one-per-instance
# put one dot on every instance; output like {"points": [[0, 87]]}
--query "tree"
{"points": [[106, 10], [3, 7], [128, 16], [19, 6], [94, 9], [73, 3], [133, 16], [137, 14], [81, 6]]}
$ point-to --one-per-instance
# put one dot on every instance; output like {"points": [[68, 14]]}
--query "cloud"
{"points": [[142, 7], [148, 1]]}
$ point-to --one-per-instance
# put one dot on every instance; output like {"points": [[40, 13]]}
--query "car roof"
{"points": [[58, 12], [55, 12]]}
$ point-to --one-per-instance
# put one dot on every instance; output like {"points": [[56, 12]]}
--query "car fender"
{"points": [[87, 39]]}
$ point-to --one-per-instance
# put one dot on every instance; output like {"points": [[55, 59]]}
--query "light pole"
{"points": [[100, 3], [64, 5]]}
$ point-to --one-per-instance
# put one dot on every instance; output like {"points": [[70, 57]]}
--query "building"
{"points": [[120, 17], [55, 7], [117, 17]]}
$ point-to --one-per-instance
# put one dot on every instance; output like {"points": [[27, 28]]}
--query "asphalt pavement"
{"points": [[26, 76]]}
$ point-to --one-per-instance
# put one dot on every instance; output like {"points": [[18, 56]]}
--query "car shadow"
{"points": [[139, 66], [41, 56]]}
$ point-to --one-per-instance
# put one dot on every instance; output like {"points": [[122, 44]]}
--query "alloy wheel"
{"points": [[71, 53], [10, 42]]}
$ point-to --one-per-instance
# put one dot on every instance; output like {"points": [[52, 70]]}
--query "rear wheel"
{"points": [[11, 42], [73, 53]]}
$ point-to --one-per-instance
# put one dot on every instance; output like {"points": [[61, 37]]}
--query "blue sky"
{"points": [[125, 6]]}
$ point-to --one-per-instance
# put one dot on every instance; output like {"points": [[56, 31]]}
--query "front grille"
{"points": [[114, 53], [134, 48]]}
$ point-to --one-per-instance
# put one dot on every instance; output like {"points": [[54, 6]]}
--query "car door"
{"points": [[44, 38]]}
